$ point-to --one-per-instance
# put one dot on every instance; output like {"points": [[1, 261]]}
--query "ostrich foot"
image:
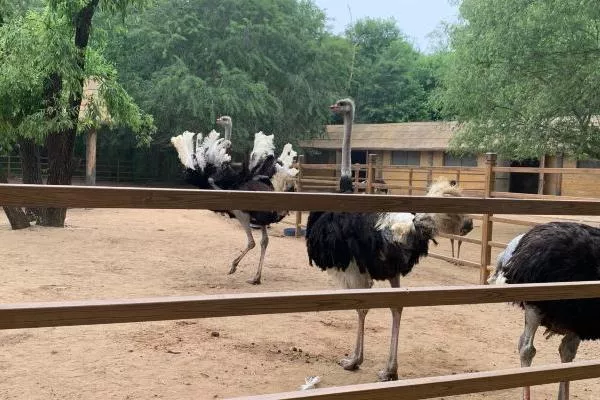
{"points": [[350, 363], [385, 375], [233, 268], [254, 281]]}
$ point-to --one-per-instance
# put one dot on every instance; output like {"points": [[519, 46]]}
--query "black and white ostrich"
{"points": [[357, 248], [208, 166], [554, 252]]}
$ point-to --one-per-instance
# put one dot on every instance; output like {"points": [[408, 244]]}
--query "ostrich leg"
{"points": [[245, 221], [526, 348], [567, 349], [390, 373], [458, 249], [264, 242], [353, 362], [452, 246]]}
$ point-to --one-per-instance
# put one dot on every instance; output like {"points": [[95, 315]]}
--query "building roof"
{"points": [[427, 136]]}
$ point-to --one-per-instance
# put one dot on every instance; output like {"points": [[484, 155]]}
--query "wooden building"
{"points": [[425, 144], [400, 146]]}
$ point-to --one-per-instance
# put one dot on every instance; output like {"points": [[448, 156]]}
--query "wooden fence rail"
{"points": [[92, 312], [158, 198], [450, 385]]}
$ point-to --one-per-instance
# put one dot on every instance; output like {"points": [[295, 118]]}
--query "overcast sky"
{"points": [[416, 18]]}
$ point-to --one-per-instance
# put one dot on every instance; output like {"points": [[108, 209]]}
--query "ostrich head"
{"points": [[343, 106], [449, 223], [226, 122]]}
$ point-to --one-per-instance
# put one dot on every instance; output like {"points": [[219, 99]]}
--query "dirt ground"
{"points": [[107, 254]]}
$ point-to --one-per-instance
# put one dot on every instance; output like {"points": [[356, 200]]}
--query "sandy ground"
{"points": [[141, 253]]}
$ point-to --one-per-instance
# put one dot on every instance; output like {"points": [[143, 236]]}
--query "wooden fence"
{"points": [[415, 180], [119, 171], [33, 315]]}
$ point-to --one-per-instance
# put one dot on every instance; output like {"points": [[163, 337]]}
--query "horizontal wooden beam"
{"points": [[512, 221], [461, 238], [512, 195], [91, 312], [455, 260], [157, 198], [535, 170], [498, 245], [449, 385]]}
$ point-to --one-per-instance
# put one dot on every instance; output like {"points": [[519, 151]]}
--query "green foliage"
{"points": [[391, 80], [39, 45], [524, 78], [267, 63]]}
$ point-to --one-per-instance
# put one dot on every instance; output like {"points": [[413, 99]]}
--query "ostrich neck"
{"points": [[346, 150], [228, 132]]}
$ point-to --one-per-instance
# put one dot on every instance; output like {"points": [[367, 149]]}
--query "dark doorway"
{"points": [[359, 157], [524, 183]]}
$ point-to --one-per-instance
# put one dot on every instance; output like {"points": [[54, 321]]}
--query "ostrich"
{"points": [[284, 177], [554, 252], [209, 167], [357, 248], [453, 224]]}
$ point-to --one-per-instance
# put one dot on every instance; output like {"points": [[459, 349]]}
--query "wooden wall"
{"points": [[579, 185], [421, 179]]}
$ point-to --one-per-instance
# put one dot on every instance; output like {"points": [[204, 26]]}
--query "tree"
{"points": [[45, 58], [388, 76], [524, 76], [269, 64]]}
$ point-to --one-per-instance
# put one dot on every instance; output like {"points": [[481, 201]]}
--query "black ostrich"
{"points": [[356, 248], [208, 166], [554, 252]]}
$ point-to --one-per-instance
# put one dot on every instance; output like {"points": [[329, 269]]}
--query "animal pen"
{"points": [[477, 182], [87, 312]]}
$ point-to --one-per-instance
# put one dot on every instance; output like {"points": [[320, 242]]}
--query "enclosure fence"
{"points": [[480, 182], [89, 312]]}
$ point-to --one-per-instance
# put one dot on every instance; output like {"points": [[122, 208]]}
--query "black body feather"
{"points": [[335, 239], [258, 179], [560, 252]]}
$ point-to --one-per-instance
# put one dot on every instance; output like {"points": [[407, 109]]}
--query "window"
{"points": [[320, 157], [465, 161], [406, 158], [588, 164]]}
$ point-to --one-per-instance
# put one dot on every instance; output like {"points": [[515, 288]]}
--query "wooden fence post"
{"points": [[410, 181], [8, 168], [90, 166], [372, 160], [487, 224], [299, 189], [356, 177]]}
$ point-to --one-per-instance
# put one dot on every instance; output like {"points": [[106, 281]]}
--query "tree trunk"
{"points": [[60, 145], [16, 216], [32, 172], [90, 170]]}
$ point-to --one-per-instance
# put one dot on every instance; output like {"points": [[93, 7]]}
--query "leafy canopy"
{"points": [[39, 45], [524, 78]]}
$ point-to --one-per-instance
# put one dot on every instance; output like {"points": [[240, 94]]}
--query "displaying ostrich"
{"points": [[284, 177], [357, 248], [453, 224], [209, 167], [554, 252]]}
